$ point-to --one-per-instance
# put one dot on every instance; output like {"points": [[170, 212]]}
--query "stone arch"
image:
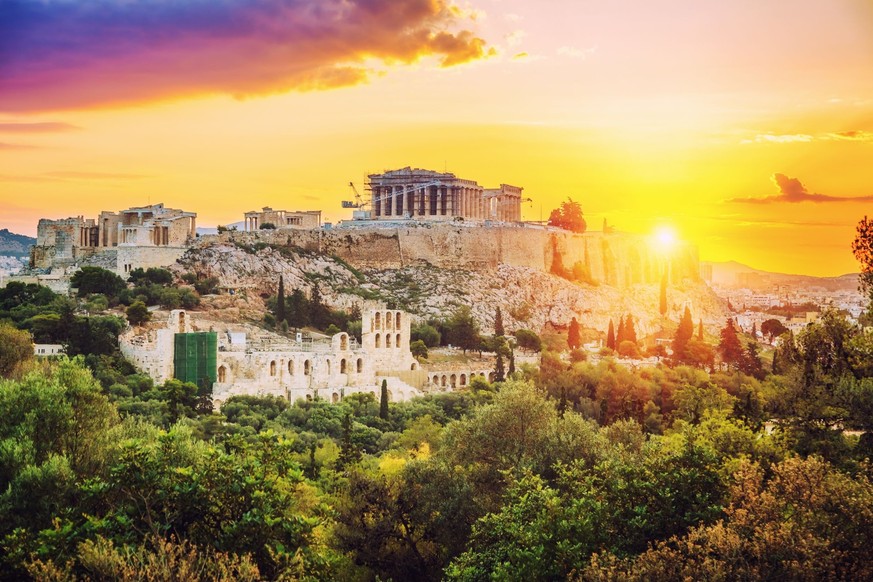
{"points": [[387, 340], [307, 368], [334, 398], [397, 341], [378, 321], [397, 320], [328, 367], [222, 374], [360, 365], [272, 367], [453, 380], [388, 320], [463, 379], [436, 380], [309, 397], [413, 366], [443, 380], [181, 322], [378, 341], [344, 342], [343, 366], [291, 367], [491, 377]]}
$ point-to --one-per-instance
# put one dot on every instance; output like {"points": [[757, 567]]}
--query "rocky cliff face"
{"points": [[618, 259], [430, 271]]}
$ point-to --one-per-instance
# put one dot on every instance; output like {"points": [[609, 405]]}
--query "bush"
{"points": [[628, 349], [138, 313], [528, 340]]}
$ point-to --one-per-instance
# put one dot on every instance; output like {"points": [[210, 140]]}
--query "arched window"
{"points": [[334, 397], [378, 320], [273, 368], [397, 321], [452, 380], [388, 320], [387, 340], [291, 367], [222, 374], [360, 365], [491, 377], [181, 322], [436, 380], [344, 342], [463, 379], [443, 381], [343, 366], [397, 343], [309, 397], [328, 366], [413, 367], [307, 368], [378, 341]]}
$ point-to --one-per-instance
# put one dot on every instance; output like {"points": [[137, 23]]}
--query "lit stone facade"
{"points": [[282, 218], [251, 361], [147, 236], [413, 193]]}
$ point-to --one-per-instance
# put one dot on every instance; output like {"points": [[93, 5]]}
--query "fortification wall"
{"points": [[617, 259]]}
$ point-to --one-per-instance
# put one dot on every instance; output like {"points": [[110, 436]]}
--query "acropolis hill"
{"points": [[615, 259]]}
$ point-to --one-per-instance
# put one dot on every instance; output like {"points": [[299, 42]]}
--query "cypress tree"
{"points": [[498, 368], [663, 301], [730, 347], [610, 336], [629, 331], [511, 370], [684, 333], [700, 330], [383, 401], [573, 339], [349, 453], [755, 330], [620, 334], [498, 323], [280, 302]]}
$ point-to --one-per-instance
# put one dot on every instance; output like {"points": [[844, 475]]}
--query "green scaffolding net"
{"points": [[195, 358]]}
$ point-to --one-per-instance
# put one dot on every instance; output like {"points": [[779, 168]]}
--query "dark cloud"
{"points": [[45, 127], [62, 54], [791, 190]]}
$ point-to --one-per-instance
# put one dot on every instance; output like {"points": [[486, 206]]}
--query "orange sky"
{"points": [[674, 112]]}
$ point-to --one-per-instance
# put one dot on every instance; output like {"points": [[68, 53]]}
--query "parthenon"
{"points": [[420, 194]]}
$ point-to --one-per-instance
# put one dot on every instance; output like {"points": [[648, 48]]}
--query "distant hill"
{"points": [[15, 245], [734, 274]]}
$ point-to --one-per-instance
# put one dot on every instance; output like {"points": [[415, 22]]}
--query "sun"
{"points": [[665, 238]]}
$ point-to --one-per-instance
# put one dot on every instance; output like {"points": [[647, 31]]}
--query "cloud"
{"points": [[16, 146], [791, 190], [851, 135], [787, 138], [60, 54], [515, 37], [44, 127]]}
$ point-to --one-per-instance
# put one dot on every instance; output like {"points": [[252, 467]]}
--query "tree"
{"points": [[418, 349], [383, 400], [426, 333], [610, 336], [462, 330], [620, 334], [731, 349], [528, 340], [88, 280], [499, 372], [684, 333], [629, 332], [573, 339], [350, 452], [15, 347], [700, 330], [498, 323], [280, 301], [772, 328], [862, 247], [568, 216], [138, 313], [662, 306]]}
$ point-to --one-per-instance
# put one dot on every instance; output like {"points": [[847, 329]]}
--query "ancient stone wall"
{"points": [[617, 259]]}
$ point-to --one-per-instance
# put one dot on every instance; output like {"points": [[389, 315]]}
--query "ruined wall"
{"points": [[617, 259]]}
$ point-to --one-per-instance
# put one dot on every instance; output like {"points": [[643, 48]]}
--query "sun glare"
{"points": [[665, 238]]}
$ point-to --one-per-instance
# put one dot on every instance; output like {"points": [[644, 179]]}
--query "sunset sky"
{"points": [[745, 125]]}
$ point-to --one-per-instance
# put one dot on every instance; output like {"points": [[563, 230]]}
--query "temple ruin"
{"points": [[414, 193], [282, 218]]}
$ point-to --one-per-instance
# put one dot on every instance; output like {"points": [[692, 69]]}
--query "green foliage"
{"points": [[88, 280], [383, 401], [418, 349], [568, 216], [684, 334], [528, 340], [862, 247], [268, 226], [573, 339], [461, 330], [150, 276], [427, 334], [610, 336], [15, 348], [137, 313]]}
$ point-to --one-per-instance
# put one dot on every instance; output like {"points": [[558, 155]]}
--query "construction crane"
{"points": [[358, 202]]}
